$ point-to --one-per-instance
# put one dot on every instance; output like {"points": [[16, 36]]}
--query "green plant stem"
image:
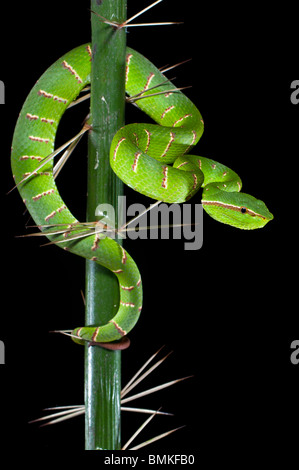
{"points": [[102, 367]]}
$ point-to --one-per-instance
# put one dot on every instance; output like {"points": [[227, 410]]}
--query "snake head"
{"points": [[237, 209]]}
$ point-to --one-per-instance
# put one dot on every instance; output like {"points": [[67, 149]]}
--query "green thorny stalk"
{"points": [[103, 367]]}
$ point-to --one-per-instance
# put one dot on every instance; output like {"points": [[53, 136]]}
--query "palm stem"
{"points": [[102, 367]]}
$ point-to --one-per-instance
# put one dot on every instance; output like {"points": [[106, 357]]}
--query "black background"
{"points": [[228, 310]]}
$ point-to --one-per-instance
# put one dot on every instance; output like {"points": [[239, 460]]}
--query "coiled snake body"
{"points": [[151, 158]]}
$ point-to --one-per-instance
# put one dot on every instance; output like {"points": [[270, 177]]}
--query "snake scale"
{"points": [[151, 158]]}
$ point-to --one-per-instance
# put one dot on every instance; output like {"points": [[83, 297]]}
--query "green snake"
{"points": [[151, 158]]}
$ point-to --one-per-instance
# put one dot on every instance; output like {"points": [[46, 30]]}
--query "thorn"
{"points": [[141, 12], [72, 412], [146, 422], [63, 413], [83, 297], [88, 232], [145, 410], [65, 333], [74, 225], [104, 20], [149, 371], [152, 24], [154, 389], [156, 438], [167, 80], [121, 344], [140, 370], [172, 90], [50, 157], [152, 206], [81, 99], [167, 68], [65, 156], [87, 229], [126, 24], [93, 228], [65, 407]]}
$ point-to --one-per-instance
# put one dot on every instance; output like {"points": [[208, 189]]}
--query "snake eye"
{"points": [[243, 210]]}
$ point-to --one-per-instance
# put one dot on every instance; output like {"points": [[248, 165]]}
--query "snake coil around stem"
{"points": [[153, 159]]}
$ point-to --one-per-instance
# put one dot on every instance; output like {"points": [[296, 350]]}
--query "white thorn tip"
{"points": [[156, 438], [146, 422], [154, 389]]}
